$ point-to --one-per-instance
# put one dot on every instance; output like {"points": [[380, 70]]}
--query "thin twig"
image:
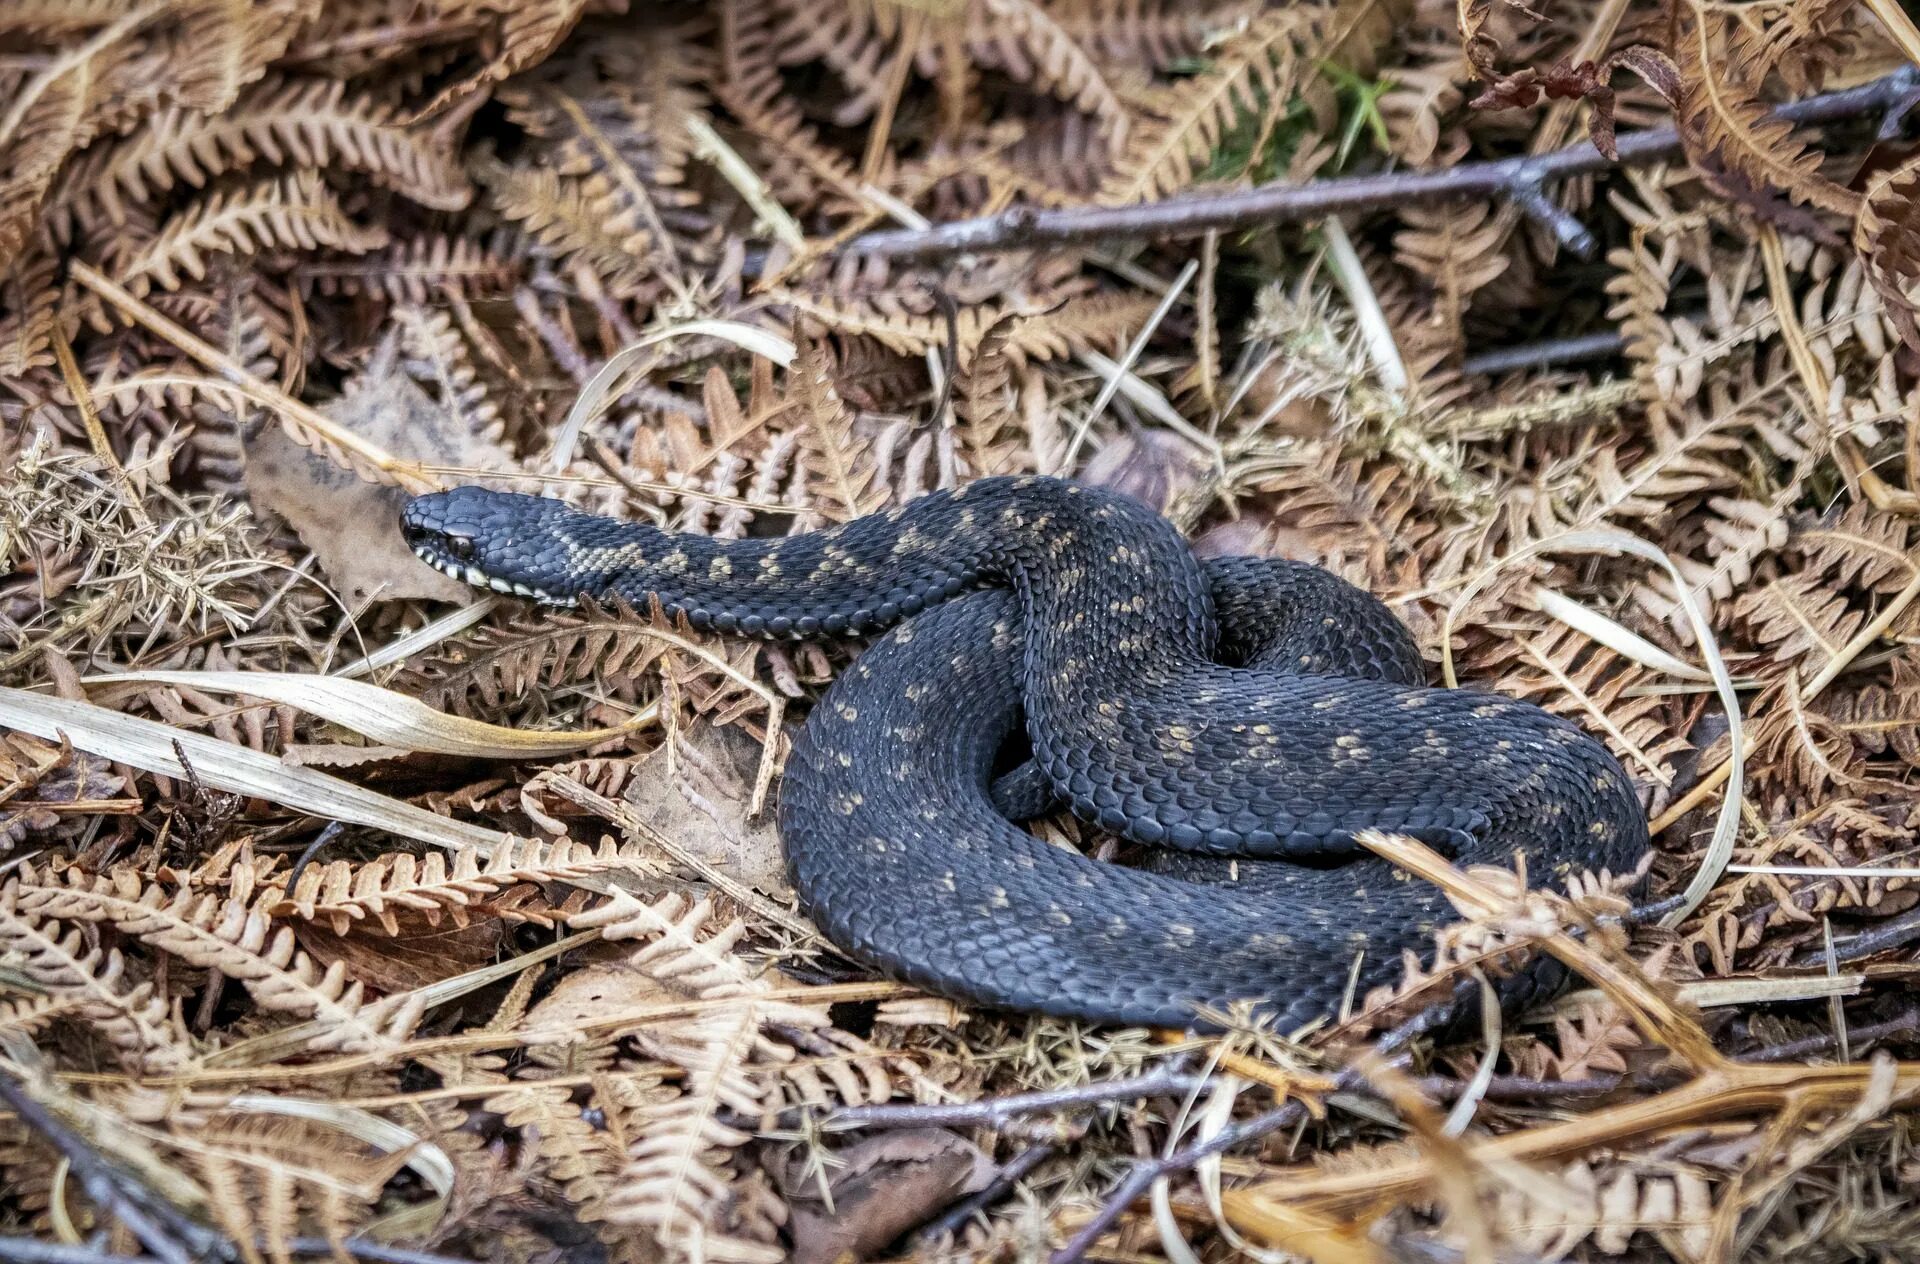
{"points": [[1522, 179]]}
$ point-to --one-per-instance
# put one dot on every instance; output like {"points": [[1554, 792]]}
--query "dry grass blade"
{"points": [[225, 766], [384, 716]]}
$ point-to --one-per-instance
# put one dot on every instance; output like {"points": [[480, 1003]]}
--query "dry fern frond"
{"points": [[1022, 39], [346, 895], [1459, 250], [1727, 126], [586, 1156], [574, 222], [306, 123], [298, 213], [1420, 102], [219, 47], [983, 398], [1887, 236], [524, 35], [271, 1177], [1144, 34], [235, 935], [1256, 69], [437, 358], [1605, 1205], [840, 466], [26, 328], [539, 664], [677, 1175], [1858, 548], [420, 269], [51, 116], [749, 86], [91, 988]]}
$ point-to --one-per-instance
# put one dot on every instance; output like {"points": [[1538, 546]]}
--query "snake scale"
{"points": [[1247, 708]]}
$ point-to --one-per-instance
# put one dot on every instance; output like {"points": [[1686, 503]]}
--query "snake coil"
{"points": [[1247, 708]]}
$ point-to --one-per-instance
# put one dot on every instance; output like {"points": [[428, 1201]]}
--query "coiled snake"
{"points": [[1247, 708]]}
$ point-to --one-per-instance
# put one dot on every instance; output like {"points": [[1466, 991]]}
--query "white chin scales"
{"points": [[480, 579]]}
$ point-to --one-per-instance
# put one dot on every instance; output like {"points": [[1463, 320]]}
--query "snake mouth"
{"points": [[467, 573]]}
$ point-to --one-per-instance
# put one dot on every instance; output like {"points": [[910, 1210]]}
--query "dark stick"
{"points": [[1895, 932], [368, 1249], [163, 1229], [1012, 1174], [1521, 178], [1141, 1176], [1857, 1037]]}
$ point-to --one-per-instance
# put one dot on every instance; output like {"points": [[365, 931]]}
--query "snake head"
{"points": [[499, 540]]}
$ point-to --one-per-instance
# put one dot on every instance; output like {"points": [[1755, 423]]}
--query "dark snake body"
{"points": [[1088, 612]]}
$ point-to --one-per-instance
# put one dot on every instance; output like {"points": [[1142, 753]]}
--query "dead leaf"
{"points": [[880, 1188], [1152, 466], [351, 525], [697, 795], [587, 993], [420, 954]]}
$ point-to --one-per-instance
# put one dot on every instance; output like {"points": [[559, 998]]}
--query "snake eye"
{"points": [[460, 547]]}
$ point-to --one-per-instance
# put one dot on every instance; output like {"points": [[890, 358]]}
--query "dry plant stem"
{"points": [[367, 1249], [1895, 932], [1520, 1090], [998, 1112], [1140, 1178], [1728, 1090], [1521, 179], [34, 1251], [170, 1234]]}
